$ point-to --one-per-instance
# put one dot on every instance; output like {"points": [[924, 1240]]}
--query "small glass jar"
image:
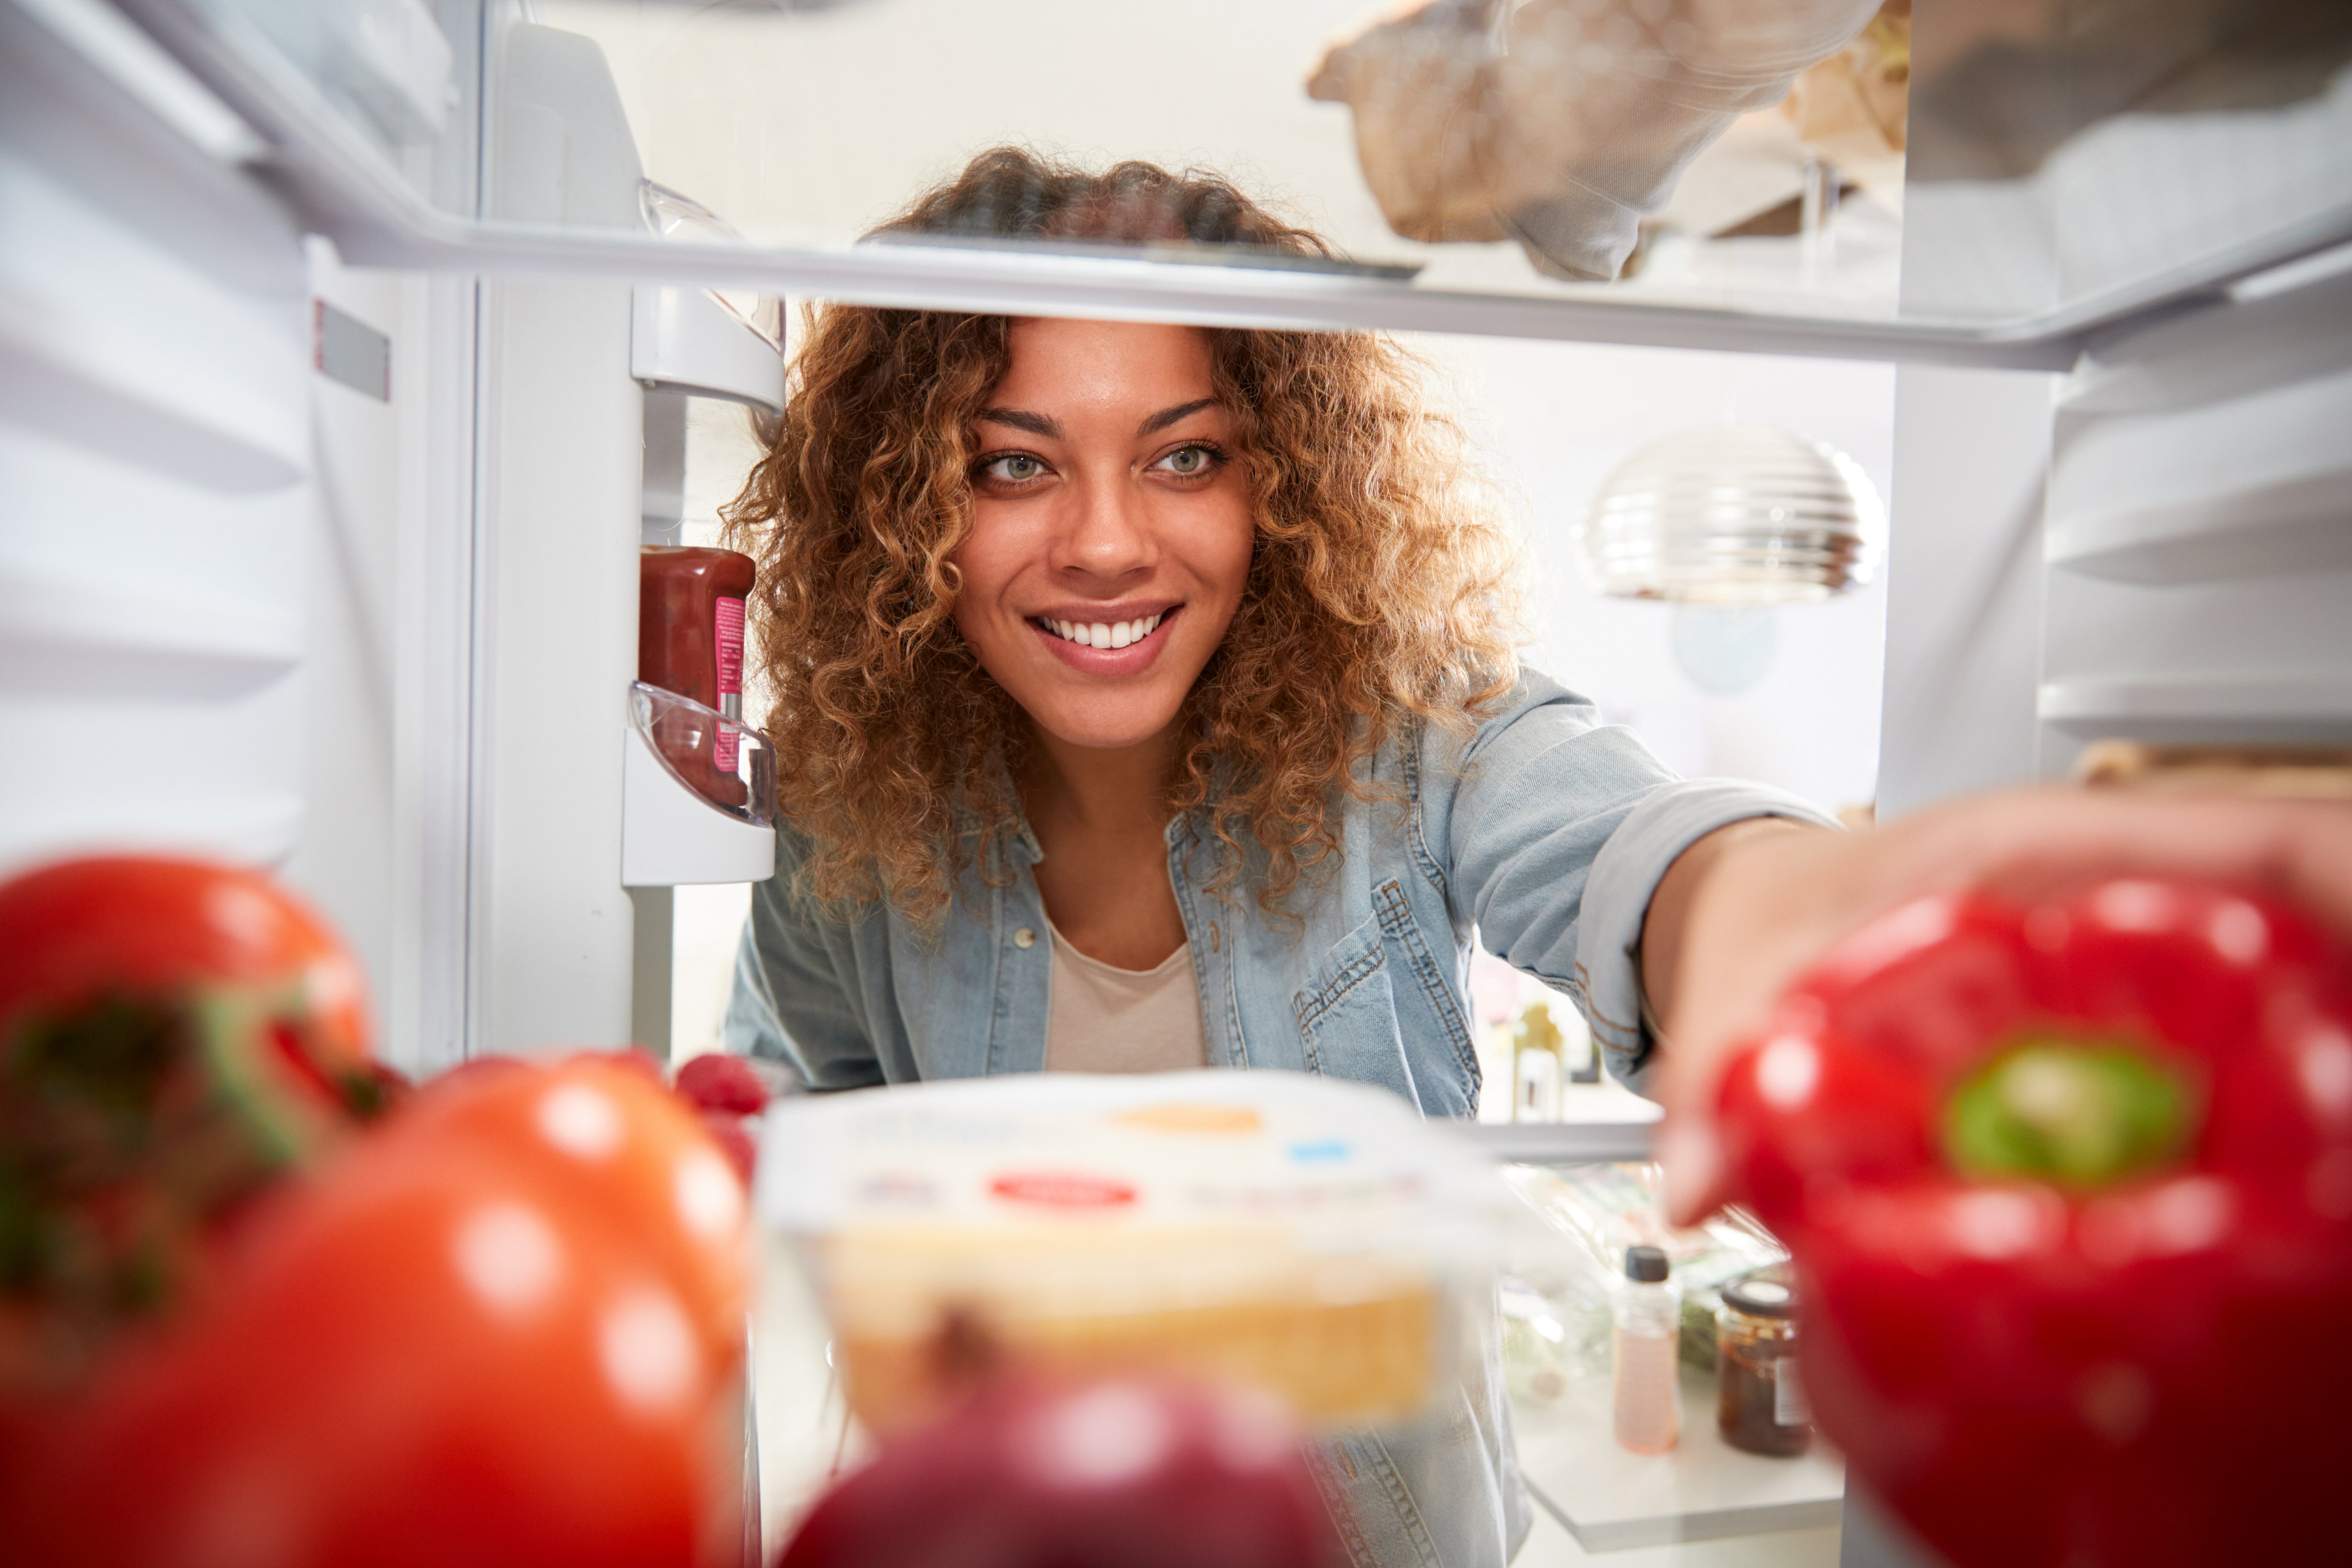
{"points": [[1763, 1408]]}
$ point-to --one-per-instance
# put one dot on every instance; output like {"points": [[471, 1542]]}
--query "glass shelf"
{"points": [[2068, 169]]}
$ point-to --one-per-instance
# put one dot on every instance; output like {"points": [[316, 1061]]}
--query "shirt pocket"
{"points": [[1347, 1015]]}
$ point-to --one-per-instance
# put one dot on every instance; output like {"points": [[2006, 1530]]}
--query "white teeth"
{"points": [[1111, 634]]}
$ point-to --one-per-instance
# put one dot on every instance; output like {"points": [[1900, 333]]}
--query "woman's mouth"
{"points": [[1105, 647]]}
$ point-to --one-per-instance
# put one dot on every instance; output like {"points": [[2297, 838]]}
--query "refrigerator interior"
{"points": [[332, 419]]}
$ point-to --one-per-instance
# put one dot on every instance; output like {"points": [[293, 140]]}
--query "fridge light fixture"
{"points": [[1735, 514]]}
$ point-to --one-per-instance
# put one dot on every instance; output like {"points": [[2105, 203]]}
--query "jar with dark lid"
{"points": [[1763, 1407]]}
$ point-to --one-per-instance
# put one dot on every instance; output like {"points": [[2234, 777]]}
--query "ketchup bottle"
{"points": [[691, 642]]}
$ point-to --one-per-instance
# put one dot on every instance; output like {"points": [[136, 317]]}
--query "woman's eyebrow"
{"points": [[1022, 419], [1168, 416]]}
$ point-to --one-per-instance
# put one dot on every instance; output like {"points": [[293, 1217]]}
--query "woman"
{"points": [[1144, 698]]}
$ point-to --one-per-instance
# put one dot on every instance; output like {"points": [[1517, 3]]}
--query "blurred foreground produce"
{"points": [[174, 1037], [505, 1328], [2069, 1187], [728, 1092], [1124, 1474]]}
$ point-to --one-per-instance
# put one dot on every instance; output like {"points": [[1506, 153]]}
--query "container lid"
{"points": [[1762, 1294], [1645, 1264]]}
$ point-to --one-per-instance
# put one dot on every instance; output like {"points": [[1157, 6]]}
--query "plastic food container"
{"points": [[1306, 1237]]}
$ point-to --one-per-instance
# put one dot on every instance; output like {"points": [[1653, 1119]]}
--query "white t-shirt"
{"points": [[1108, 1020]]}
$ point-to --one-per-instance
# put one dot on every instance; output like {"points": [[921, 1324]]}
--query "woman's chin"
{"points": [[1129, 720]]}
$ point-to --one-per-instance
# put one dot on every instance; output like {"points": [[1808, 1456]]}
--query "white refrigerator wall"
{"points": [[2156, 548], [1964, 583], [154, 431], [560, 466], [371, 630], [2199, 539], [234, 591]]}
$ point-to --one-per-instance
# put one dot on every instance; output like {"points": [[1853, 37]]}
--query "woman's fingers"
{"points": [[1770, 905]]}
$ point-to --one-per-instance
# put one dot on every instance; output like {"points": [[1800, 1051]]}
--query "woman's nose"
{"points": [[1109, 532]]}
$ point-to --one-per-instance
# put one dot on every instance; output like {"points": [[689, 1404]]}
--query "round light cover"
{"points": [[1735, 514]]}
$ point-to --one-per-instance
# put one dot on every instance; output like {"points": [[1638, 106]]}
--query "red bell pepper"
{"points": [[2069, 1189]]}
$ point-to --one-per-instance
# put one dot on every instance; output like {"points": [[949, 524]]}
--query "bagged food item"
{"points": [[1310, 1238], [1590, 1214]]}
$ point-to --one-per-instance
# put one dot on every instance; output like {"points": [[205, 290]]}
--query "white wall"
{"points": [[1964, 633], [1555, 419]]}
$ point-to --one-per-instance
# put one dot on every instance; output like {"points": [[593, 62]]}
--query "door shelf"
{"points": [[684, 340], [2296, 525], [2285, 707], [698, 795]]}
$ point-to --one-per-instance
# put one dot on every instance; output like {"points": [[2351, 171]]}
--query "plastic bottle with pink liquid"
{"points": [[1648, 1387]]}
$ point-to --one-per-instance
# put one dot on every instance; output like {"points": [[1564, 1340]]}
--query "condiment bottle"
{"points": [[1648, 1311], [1535, 1069], [691, 642], [1763, 1408], [690, 622]]}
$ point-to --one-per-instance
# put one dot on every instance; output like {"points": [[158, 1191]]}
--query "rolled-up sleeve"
{"points": [[1557, 832]]}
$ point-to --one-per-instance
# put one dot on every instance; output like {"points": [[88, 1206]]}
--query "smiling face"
{"points": [[1111, 527]]}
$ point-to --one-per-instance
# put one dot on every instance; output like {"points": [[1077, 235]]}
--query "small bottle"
{"points": [[1648, 1341], [1535, 1066]]}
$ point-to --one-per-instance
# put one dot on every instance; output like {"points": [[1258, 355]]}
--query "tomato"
{"points": [[135, 925], [437, 1351], [175, 1038], [719, 1082], [605, 1134]]}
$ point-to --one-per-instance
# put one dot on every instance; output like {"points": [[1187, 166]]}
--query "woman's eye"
{"points": [[1013, 468], [1187, 462]]}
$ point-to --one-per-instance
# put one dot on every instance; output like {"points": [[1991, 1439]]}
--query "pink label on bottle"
{"points": [[730, 648], [730, 674]]}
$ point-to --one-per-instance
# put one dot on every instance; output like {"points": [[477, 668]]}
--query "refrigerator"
{"points": [[350, 350]]}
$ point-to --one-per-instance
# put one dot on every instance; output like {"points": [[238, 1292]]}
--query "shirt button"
{"points": [[1024, 937]]}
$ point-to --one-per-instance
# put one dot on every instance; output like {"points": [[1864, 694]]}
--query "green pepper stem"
{"points": [[2080, 1114]]}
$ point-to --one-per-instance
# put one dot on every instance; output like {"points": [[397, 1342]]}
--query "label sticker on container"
{"points": [[1179, 1117], [1063, 1189], [730, 647], [729, 640], [1789, 1405]]}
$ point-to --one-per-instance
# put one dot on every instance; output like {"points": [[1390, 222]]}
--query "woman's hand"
{"points": [[1760, 903]]}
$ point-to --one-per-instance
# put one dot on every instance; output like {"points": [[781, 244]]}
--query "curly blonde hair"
{"points": [[1380, 589]]}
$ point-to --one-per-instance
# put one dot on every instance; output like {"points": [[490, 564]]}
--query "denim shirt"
{"points": [[1544, 831]]}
